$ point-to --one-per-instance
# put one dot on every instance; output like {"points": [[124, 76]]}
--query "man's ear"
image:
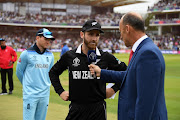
{"points": [[82, 34], [127, 28]]}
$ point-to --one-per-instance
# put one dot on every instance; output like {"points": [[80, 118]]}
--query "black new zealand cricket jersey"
{"points": [[83, 87]]}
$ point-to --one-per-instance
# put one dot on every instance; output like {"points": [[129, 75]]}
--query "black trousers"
{"points": [[10, 79], [93, 111]]}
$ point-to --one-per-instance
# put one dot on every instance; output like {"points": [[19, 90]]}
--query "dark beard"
{"points": [[87, 44], [3, 47]]}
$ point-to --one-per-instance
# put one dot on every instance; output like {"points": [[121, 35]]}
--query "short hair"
{"points": [[136, 22], [64, 44]]}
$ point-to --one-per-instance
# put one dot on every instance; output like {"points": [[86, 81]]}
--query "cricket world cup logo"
{"points": [[92, 56]]}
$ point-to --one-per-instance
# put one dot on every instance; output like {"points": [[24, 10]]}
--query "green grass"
{"points": [[11, 105]]}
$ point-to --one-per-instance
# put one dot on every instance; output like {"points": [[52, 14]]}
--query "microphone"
{"points": [[91, 56]]}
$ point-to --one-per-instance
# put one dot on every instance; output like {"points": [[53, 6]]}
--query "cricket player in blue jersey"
{"points": [[32, 71]]}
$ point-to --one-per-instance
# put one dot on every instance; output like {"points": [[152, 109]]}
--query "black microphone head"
{"points": [[92, 56]]}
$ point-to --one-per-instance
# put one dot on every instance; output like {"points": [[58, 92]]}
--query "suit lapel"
{"points": [[133, 57]]}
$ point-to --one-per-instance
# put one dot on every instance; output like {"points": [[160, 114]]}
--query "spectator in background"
{"points": [[7, 58], [65, 48]]}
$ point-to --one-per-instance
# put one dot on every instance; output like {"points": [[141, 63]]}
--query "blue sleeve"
{"points": [[21, 66], [148, 76], [112, 76]]}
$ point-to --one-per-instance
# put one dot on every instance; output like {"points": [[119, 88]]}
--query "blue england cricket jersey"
{"points": [[32, 71]]}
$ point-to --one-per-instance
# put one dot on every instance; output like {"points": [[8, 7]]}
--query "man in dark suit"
{"points": [[141, 95]]}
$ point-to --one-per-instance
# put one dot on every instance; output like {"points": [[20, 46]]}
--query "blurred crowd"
{"points": [[163, 18], [165, 21], [167, 41], [165, 5], [108, 19], [108, 41], [25, 40]]}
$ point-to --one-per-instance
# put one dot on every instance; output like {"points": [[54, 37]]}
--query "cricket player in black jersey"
{"points": [[86, 93]]}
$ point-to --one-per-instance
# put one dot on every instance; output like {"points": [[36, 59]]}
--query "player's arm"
{"points": [[117, 65], [65, 94], [14, 55], [21, 66], [109, 92], [112, 90], [13, 52], [52, 62], [54, 73]]}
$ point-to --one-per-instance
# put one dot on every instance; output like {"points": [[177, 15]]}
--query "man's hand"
{"points": [[109, 92], [94, 69], [10, 63], [65, 95]]}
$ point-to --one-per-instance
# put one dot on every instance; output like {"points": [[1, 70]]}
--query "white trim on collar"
{"points": [[98, 52], [136, 44], [79, 50]]}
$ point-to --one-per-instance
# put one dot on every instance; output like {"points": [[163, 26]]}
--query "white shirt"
{"points": [[136, 44]]}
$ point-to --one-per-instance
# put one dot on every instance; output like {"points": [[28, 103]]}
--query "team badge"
{"points": [[34, 58], [94, 23], [76, 62]]}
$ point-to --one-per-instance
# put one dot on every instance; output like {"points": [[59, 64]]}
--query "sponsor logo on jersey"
{"points": [[76, 62], [19, 60], [41, 65], [82, 75]]}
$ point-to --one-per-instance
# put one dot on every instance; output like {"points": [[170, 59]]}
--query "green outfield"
{"points": [[11, 105]]}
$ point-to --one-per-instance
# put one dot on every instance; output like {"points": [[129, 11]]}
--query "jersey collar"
{"points": [[136, 44], [37, 49], [79, 50]]}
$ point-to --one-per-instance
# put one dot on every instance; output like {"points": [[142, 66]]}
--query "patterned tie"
{"points": [[130, 56]]}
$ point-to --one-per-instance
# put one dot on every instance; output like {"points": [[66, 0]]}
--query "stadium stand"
{"points": [[27, 38], [166, 17], [66, 26], [108, 19], [165, 5]]}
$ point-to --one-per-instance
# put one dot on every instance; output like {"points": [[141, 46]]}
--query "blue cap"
{"points": [[45, 33], [1, 39]]}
